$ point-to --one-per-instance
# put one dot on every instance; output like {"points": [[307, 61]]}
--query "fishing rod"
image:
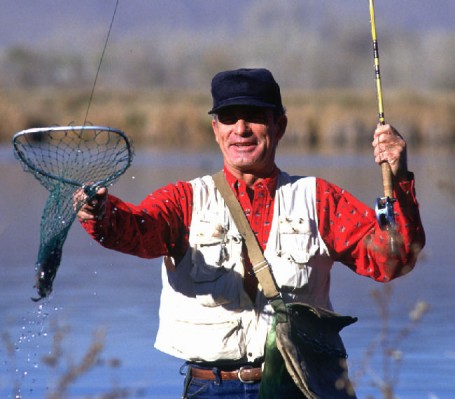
{"points": [[384, 205]]}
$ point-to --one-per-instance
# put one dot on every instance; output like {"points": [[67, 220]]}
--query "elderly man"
{"points": [[212, 311]]}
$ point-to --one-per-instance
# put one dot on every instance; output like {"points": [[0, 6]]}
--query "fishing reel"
{"points": [[384, 212]]}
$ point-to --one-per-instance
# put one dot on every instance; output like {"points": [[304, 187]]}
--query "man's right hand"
{"points": [[93, 209]]}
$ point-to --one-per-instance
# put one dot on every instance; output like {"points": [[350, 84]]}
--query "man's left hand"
{"points": [[389, 146]]}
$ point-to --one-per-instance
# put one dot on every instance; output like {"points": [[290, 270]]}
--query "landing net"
{"points": [[65, 159]]}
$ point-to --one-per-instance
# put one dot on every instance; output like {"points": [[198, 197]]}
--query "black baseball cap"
{"points": [[252, 87]]}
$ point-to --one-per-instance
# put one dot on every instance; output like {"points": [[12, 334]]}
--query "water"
{"points": [[98, 291]]}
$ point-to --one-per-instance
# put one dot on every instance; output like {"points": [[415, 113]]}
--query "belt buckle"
{"points": [[239, 372]]}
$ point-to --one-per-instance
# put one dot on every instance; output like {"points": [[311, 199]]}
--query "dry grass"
{"points": [[328, 119], [388, 345], [65, 371]]}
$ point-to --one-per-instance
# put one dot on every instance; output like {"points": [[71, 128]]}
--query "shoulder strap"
{"points": [[261, 267]]}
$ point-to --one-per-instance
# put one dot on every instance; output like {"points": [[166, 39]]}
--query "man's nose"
{"points": [[241, 127]]}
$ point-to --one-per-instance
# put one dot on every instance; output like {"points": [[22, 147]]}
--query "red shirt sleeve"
{"points": [[353, 236], [157, 226]]}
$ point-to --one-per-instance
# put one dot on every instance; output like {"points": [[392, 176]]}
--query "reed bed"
{"points": [[165, 119]]}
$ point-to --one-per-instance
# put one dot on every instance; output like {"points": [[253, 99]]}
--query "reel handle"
{"points": [[384, 212]]}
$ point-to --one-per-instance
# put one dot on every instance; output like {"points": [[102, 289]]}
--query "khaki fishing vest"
{"points": [[205, 314]]}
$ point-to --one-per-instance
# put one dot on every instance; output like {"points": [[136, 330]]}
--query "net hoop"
{"points": [[20, 154]]}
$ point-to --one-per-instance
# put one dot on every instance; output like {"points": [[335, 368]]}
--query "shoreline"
{"points": [[317, 120]]}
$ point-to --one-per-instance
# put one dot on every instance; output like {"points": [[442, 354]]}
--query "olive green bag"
{"points": [[304, 354], [304, 343]]}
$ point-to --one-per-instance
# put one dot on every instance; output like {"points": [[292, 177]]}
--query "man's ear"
{"points": [[282, 123], [215, 128]]}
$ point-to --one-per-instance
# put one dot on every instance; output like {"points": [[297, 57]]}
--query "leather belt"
{"points": [[245, 374]]}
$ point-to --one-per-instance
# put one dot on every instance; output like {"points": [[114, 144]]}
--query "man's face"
{"points": [[248, 137]]}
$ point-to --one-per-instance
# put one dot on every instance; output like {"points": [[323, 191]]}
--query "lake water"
{"points": [[100, 290]]}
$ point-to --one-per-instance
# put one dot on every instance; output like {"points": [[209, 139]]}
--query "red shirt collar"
{"points": [[270, 182]]}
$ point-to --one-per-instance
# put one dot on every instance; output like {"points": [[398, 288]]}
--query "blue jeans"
{"points": [[231, 389], [211, 389]]}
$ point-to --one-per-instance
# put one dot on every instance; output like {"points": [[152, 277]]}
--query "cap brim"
{"points": [[246, 101]]}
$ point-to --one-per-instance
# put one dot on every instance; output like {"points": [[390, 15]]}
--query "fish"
{"points": [[46, 270], [49, 259]]}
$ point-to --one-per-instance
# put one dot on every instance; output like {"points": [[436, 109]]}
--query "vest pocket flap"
{"points": [[296, 241], [209, 233], [295, 226], [209, 250]]}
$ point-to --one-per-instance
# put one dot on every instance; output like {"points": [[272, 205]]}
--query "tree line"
{"points": [[303, 51]]}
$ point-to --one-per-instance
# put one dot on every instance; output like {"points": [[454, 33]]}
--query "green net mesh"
{"points": [[64, 160]]}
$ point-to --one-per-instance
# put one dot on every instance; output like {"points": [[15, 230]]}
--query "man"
{"points": [[212, 308]]}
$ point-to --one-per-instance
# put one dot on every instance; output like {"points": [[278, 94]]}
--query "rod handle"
{"points": [[387, 179]]}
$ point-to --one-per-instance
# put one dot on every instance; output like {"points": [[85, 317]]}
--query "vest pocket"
{"points": [[211, 340], [296, 246], [215, 277], [216, 286]]}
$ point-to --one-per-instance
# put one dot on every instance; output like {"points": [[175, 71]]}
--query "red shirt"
{"points": [[160, 224]]}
